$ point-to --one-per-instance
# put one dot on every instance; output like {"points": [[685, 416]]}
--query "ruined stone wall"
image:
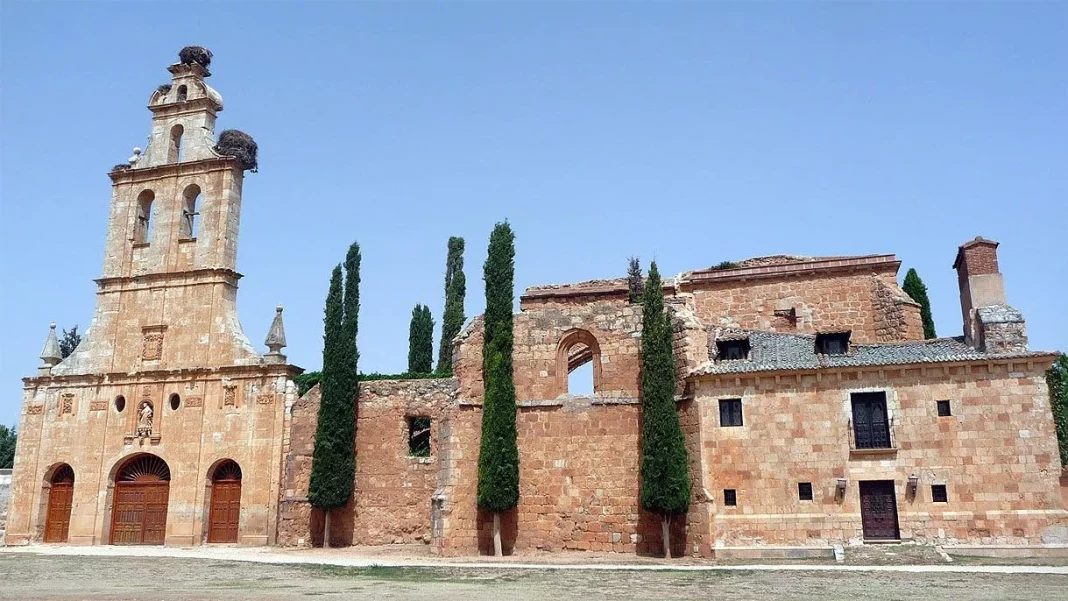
{"points": [[392, 497], [579, 461], [997, 455], [820, 301], [236, 413], [5, 498]]}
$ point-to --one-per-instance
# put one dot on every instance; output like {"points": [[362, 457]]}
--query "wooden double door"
{"points": [[224, 516], [57, 522], [878, 510], [139, 513]]}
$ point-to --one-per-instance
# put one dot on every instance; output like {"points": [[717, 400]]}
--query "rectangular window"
{"points": [[730, 497], [419, 436], [730, 412], [834, 343], [939, 494], [944, 409], [732, 350], [871, 425], [804, 491]]}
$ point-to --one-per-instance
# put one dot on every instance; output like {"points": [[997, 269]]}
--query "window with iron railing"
{"points": [[871, 426]]}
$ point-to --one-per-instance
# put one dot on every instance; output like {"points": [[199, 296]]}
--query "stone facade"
{"points": [[164, 368], [797, 377]]}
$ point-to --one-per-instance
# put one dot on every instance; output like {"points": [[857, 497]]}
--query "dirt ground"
{"points": [[69, 578]]}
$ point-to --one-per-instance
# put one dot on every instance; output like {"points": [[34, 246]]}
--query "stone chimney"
{"points": [[990, 323]]}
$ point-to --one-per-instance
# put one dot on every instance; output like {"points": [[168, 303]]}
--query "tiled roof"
{"points": [[771, 351]]}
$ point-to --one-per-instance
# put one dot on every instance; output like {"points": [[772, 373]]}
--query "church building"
{"points": [[815, 412]]}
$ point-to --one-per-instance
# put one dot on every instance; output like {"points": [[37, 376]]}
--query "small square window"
{"points": [[832, 343], [730, 412], [939, 494], [944, 409], [732, 350], [804, 491], [730, 497], [419, 436]]}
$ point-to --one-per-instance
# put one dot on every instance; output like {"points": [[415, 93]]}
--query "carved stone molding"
{"points": [[98, 406], [35, 410], [66, 403], [194, 401], [153, 346], [229, 395], [265, 399]]}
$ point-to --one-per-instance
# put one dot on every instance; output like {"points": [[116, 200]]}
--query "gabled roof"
{"points": [[773, 351]]}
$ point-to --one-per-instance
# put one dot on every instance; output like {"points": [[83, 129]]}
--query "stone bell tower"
{"points": [[168, 292], [164, 387]]}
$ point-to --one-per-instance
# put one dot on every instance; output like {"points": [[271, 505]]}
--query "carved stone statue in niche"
{"points": [[144, 419]]}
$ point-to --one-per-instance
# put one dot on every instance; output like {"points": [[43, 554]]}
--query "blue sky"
{"points": [[690, 133]]}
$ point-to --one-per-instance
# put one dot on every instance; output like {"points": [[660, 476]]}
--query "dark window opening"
{"points": [[804, 491], [732, 350], [836, 343], [939, 494], [183, 92], [419, 436], [176, 401], [944, 409], [120, 403], [871, 425], [790, 315], [730, 497], [730, 412]]}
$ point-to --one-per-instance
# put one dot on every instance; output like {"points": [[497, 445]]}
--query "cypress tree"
{"points": [[498, 457], [916, 289], [421, 341], [1057, 380], [634, 280], [452, 319], [333, 459], [665, 488]]}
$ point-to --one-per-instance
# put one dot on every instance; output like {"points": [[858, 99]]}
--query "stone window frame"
{"points": [[942, 496], [741, 412], [409, 422], [730, 497], [892, 410], [568, 340], [944, 404], [801, 492]]}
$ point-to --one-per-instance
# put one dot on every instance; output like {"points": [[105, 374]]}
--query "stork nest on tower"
{"points": [[195, 54], [238, 144]]}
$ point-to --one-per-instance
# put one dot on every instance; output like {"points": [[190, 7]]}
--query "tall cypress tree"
{"points": [[1057, 380], [452, 319], [498, 457], [665, 473], [421, 341], [634, 280], [916, 289], [333, 459]]}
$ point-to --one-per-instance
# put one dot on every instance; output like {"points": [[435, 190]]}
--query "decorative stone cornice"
{"points": [[150, 174], [191, 276], [160, 375]]}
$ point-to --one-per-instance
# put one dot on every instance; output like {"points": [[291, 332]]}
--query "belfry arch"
{"points": [[576, 348]]}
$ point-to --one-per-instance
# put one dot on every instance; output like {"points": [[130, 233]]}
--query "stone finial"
{"points": [[276, 336], [136, 156], [51, 353]]}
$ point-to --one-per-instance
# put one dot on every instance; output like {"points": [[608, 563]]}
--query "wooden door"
{"points": [[225, 514], [57, 522], [139, 513], [878, 510]]}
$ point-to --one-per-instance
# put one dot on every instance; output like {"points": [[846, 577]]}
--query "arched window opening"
{"points": [[578, 363], [580, 370], [175, 401], [143, 224], [189, 212], [183, 92], [224, 515], [174, 153], [60, 500], [120, 403]]}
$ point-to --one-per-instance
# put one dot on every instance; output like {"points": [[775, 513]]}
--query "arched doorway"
{"points": [[139, 512], [60, 497], [224, 516]]}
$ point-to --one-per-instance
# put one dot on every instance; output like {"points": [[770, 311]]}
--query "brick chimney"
{"points": [[990, 323]]}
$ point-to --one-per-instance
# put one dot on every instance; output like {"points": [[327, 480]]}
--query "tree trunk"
{"points": [[497, 551], [326, 529], [665, 528]]}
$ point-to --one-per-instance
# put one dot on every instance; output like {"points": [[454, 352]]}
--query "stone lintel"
{"points": [[200, 374], [154, 173]]}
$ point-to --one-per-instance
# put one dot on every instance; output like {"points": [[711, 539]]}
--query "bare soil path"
{"points": [[72, 577]]}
